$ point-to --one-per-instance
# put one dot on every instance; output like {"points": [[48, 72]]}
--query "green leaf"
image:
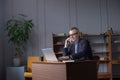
{"points": [[19, 31]]}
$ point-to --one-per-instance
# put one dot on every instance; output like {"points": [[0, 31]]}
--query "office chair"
{"points": [[97, 58], [28, 72]]}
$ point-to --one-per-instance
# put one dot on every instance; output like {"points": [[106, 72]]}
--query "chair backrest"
{"points": [[97, 58], [30, 60]]}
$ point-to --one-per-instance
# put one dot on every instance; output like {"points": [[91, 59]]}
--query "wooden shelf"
{"points": [[104, 61], [98, 43], [115, 42], [115, 34], [104, 75], [92, 35], [115, 61], [59, 36]]}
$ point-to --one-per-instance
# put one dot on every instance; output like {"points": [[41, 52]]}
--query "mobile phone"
{"points": [[70, 40]]}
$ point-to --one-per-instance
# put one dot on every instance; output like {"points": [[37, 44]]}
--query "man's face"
{"points": [[74, 35]]}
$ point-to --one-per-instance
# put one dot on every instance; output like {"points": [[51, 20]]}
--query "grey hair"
{"points": [[75, 29]]}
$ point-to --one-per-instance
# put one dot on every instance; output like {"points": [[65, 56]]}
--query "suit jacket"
{"points": [[84, 51]]}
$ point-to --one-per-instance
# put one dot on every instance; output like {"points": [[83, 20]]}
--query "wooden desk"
{"points": [[83, 70]]}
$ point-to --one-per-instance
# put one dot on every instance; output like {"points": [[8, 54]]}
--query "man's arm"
{"points": [[83, 49]]}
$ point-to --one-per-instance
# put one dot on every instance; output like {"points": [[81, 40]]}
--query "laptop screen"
{"points": [[49, 55]]}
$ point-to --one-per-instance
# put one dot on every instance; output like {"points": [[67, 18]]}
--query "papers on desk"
{"points": [[68, 61]]}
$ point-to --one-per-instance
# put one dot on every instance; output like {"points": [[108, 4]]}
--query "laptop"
{"points": [[49, 55]]}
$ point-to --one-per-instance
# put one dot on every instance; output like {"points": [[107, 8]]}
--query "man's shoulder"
{"points": [[83, 39]]}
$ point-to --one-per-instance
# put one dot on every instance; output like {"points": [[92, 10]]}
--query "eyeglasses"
{"points": [[73, 34]]}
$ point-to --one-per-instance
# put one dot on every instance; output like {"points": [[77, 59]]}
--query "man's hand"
{"points": [[67, 42], [63, 58]]}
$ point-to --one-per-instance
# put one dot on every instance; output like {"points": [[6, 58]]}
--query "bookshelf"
{"points": [[58, 43], [106, 46], [101, 47], [115, 49]]}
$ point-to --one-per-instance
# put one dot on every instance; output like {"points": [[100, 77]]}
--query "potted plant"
{"points": [[19, 29]]}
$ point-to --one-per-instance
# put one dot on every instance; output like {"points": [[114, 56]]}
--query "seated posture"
{"points": [[76, 48]]}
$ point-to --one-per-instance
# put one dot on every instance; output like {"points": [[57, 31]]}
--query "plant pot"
{"points": [[16, 61]]}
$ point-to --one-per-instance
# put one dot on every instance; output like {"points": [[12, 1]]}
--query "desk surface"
{"points": [[86, 61]]}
